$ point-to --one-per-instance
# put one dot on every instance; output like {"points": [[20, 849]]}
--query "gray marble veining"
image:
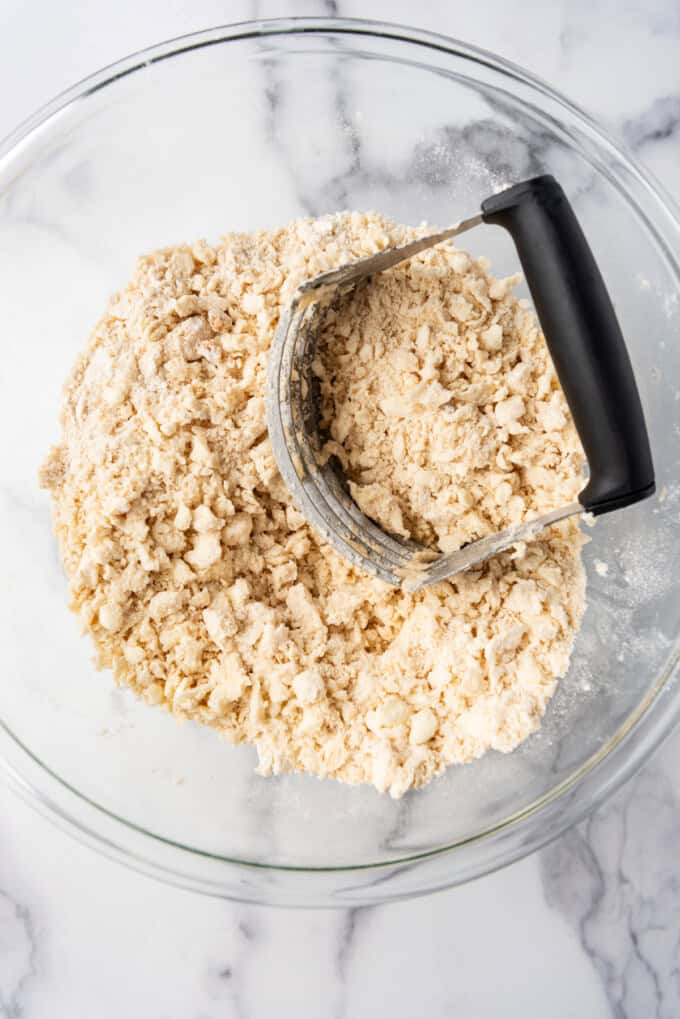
{"points": [[18, 955], [615, 880], [660, 122]]}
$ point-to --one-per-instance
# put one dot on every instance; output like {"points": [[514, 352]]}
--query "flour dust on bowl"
{"points": [[367, 117]]}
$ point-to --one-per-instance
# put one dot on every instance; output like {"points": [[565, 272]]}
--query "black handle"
{"points": [[584, 339]]}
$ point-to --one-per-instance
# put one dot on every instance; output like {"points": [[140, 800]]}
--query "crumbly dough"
{"points": [[442, 405], [201, 584]]}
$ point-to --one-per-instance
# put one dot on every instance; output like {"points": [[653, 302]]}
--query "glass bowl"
{"points": [[246, 127]]}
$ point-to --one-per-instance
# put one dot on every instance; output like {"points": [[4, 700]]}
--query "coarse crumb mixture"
{"points": [[442, 404], [202, 586]]}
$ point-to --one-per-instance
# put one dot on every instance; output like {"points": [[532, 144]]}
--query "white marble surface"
{"points": [[587, 927]]}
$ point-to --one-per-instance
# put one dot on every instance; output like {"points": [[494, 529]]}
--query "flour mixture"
{"points": [[202, 586]]}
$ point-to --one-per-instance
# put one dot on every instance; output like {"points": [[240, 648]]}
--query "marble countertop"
{"points": [[586, 927]]}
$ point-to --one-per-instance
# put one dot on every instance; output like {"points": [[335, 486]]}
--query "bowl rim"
{"points": [[641, 732]]}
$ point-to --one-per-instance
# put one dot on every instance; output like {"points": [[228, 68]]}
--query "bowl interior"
{"points": [[248, 131]]}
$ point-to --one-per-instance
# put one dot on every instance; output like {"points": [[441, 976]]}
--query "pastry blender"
{"points": [[587, 348]]}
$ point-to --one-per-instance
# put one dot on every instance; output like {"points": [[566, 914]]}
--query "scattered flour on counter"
{"points": [[602, 569], [202, 586]]}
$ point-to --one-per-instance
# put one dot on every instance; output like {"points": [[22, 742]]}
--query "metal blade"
{"points": [[382, 260], [420, 575]]}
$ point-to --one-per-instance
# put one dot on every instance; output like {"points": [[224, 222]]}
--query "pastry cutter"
{"points": [[586, 346]]}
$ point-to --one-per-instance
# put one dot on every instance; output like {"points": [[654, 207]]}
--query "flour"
{"points": [[201, 584], [442, 404]]}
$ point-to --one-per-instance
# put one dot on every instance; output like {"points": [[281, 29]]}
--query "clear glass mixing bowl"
{"points": [[246, 127]]}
